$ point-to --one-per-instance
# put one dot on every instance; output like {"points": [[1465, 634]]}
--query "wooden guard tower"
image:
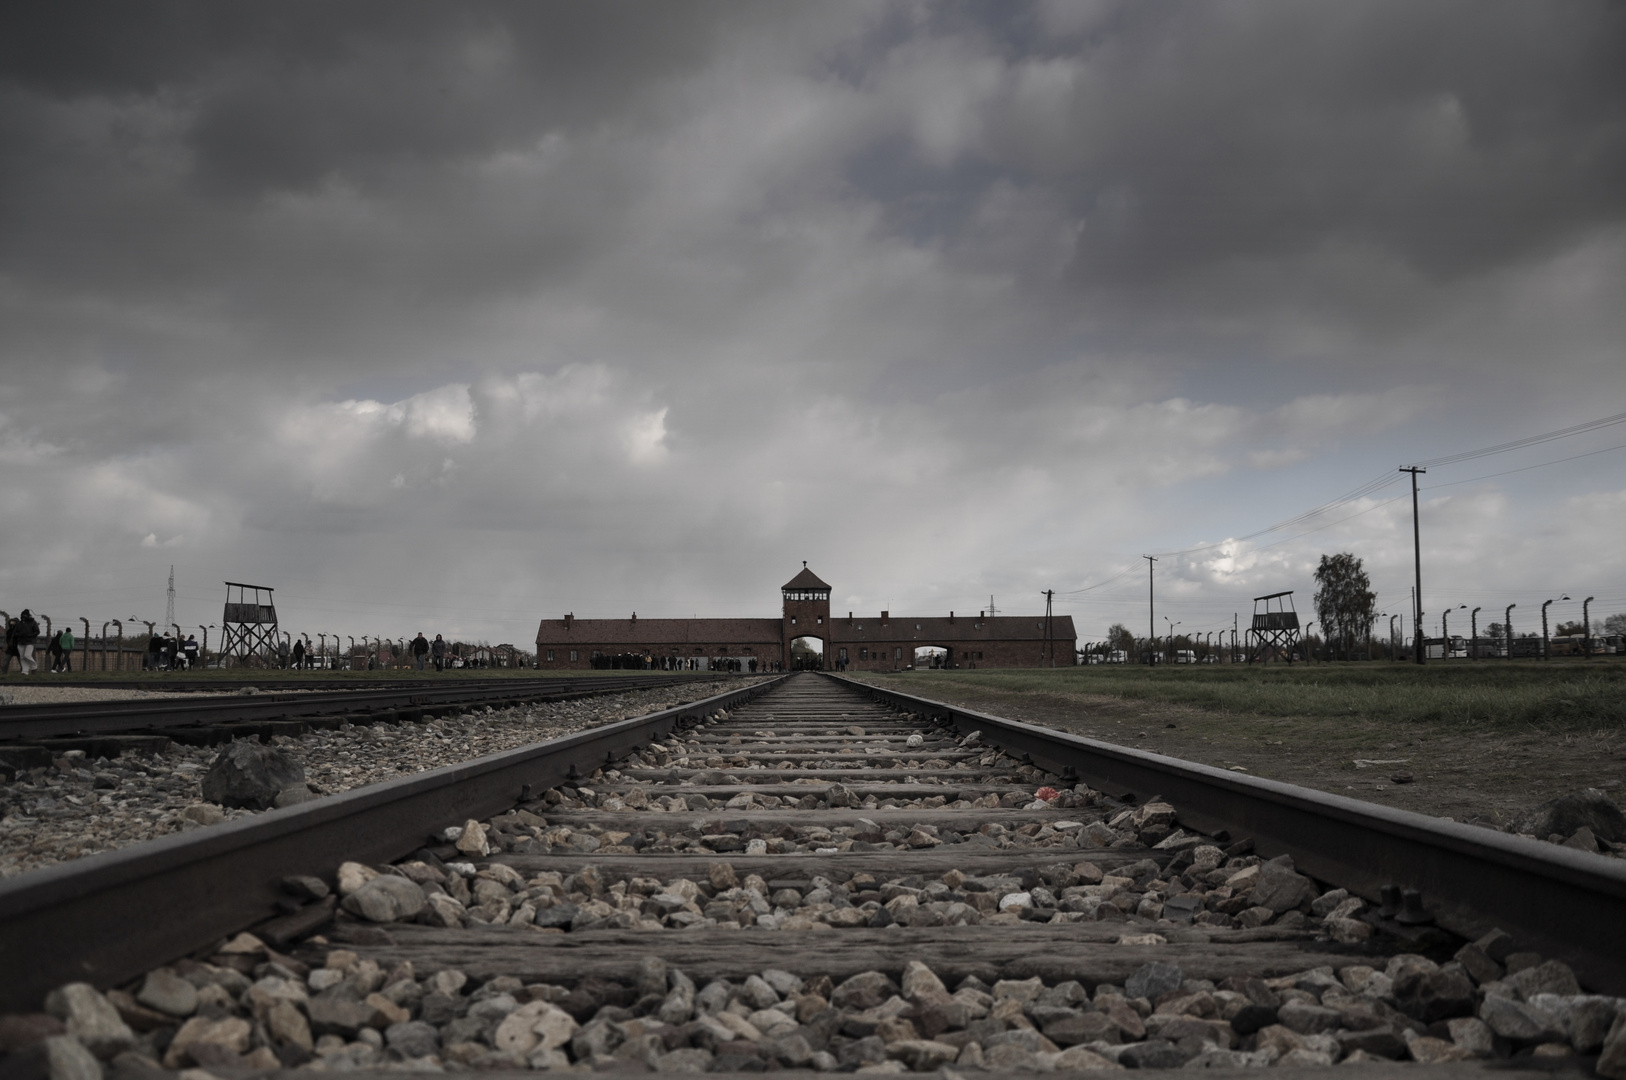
{"points": [[249, 626], [1275, 629]]}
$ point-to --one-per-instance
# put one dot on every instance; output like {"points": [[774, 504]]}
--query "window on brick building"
{"points": [[573, 654], [550, 656], [863, 654]]}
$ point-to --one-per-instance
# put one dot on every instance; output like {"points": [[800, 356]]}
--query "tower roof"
{"points": [[807, 579]]}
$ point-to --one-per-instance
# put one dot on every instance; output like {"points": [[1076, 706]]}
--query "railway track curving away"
{"points": [[806, 874]]}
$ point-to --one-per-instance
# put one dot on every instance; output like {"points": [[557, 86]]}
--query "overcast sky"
{"points": [[456, 316]]}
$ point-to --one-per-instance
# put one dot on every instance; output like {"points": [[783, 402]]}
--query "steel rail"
{"points": [[1564, 903], [107, 918], [81, 718]]}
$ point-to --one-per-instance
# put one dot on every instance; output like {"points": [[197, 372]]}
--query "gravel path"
{"points": [[81, 807]]}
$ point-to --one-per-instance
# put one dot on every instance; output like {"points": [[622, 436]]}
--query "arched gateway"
{"points": [[851, 642]]}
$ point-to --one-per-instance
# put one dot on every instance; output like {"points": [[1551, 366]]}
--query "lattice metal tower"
{"points": [[169, 608]]}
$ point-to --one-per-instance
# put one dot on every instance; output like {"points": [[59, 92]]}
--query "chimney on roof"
{"points": [[884, 616], [982, 614], [951, 618], [634, 616], [569, 619]]}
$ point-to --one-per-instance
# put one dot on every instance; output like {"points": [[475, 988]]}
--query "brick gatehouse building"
{"points": [[885, 642]]}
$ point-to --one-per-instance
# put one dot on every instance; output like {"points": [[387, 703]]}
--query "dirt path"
{"points": [[1493, 777]]}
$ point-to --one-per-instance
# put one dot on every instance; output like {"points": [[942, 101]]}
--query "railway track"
{"points": [[182, 682], [98, 727], [801, 874]]}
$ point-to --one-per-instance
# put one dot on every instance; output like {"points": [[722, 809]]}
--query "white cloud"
{"points": [[645, 438]]}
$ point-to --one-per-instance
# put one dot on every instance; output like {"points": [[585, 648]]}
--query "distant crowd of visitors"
{"points": [[165, 652]]}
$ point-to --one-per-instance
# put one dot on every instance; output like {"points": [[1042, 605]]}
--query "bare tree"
{"points": [[1344, 601]]}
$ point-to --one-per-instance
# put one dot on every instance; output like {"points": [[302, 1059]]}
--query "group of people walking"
{"points": [[299, 657], [424, 652], [166, 653], [422, 647], [22, 638]]}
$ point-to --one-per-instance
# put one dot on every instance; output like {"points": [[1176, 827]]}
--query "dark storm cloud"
{"points": [[1452, 136], [289, 93]]}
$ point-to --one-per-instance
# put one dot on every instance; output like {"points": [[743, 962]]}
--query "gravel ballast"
{"points": [[77, 806]]}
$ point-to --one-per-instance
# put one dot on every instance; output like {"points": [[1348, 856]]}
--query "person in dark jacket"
{"points": [[420, 649], [27, 631], [438, 651]]}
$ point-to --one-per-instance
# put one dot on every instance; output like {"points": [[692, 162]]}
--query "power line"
{"points": [[1527, 468], [1378, 483], [1517, 444]]}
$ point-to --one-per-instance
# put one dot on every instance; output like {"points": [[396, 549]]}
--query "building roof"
{"points": [[629, 632], [807, 579]]}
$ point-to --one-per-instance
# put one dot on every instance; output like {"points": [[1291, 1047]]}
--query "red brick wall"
{"points": [[764, 654], [895, 655]]}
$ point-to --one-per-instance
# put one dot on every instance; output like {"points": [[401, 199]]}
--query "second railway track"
{"points": [[223, 715], [809, 877]]}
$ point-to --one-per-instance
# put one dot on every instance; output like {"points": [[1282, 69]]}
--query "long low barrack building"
{"points": [[883, 642]]}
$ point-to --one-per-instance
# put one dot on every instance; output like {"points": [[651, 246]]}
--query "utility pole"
{"points": [[1151, 608], [1417, 555], [1049, 641], [1507, 629], [1586, 628]]}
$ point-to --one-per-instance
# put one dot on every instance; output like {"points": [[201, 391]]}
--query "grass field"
{"points": [[1501, 695], [1485, 741]]}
